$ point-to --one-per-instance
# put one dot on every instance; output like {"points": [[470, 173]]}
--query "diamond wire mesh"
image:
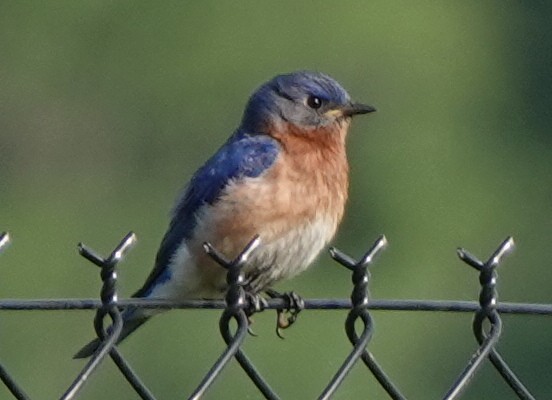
{"points": [[237, 307]]}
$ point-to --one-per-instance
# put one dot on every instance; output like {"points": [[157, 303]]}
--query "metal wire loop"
{"points": [[236, 303], [359, 310], [108, 336], [488, 303], [487, 324]]}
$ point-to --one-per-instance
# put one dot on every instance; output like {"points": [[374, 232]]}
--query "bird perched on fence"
{"points": [[282, 175]]}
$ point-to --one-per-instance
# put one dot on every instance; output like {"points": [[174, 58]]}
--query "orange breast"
{"points": [[307, 184]]}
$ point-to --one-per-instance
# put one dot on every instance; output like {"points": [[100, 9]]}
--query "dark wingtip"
{"points": [[132, 320], [88, 349]]}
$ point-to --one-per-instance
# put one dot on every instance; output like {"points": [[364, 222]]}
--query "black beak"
{"points": [[356, 108]]}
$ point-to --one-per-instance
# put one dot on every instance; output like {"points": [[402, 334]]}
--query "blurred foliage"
{"points": [[107, 108]]}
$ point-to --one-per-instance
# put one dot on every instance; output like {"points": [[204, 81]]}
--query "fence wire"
{"points": [[237, 307]]}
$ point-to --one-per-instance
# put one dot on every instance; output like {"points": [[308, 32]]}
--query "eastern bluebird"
{"points": [[282, 175]]}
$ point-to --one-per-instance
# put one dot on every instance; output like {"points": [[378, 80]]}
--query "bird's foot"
{"points": [[255, 303], [286, 316]]}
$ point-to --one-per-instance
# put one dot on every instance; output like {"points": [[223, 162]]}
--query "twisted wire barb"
{"points": [[109, 307], [359, 310], [236, 303], [488, 301]]}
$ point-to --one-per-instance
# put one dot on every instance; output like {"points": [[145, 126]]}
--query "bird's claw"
{"points": [[255, 303], [249, 329], [287, 316]]}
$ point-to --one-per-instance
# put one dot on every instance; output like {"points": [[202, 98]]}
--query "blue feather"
{"points": [[243, 155]]}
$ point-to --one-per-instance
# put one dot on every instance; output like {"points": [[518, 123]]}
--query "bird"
{"points": [[281, 175]]}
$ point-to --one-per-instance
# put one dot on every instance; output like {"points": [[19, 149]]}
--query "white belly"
{"points": [[289, 255], [272, 261]]}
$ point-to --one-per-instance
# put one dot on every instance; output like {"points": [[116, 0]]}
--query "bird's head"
{"points": [[306, 101]]}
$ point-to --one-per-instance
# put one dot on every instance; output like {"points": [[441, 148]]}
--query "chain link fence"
{"points": [[487, 323]]}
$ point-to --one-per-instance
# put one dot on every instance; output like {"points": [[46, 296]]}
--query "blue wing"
{"points": [[241, 156]]}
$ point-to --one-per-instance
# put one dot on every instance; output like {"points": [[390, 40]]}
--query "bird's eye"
{"points": [[314, 102]]}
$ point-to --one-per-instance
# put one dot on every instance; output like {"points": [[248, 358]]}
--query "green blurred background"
{"points": [[108, 107]]}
